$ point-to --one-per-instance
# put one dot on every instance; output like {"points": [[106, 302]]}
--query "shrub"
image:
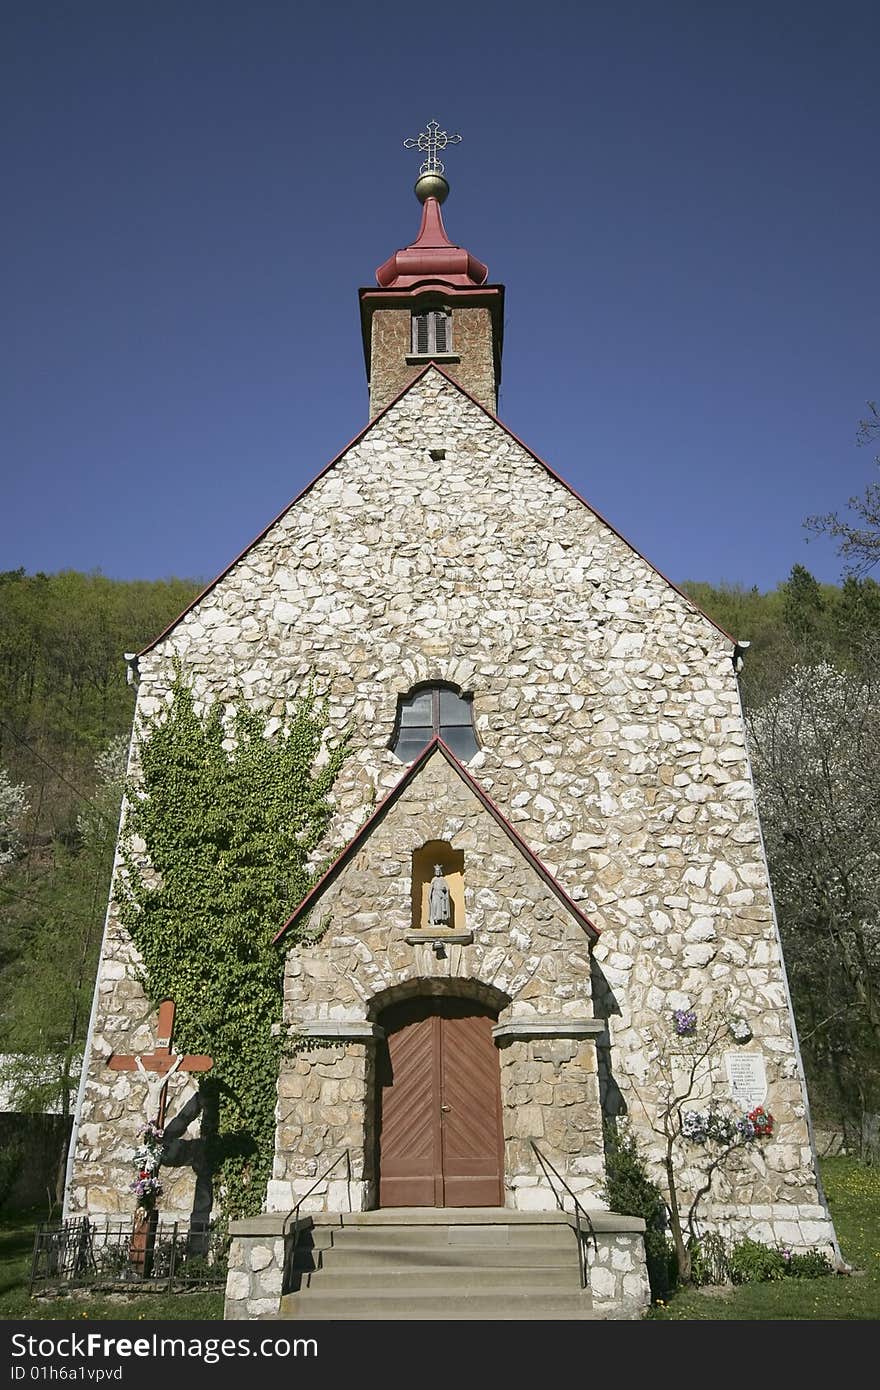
{"points": [[710, 1259], [754, 1263], [660, 1263], [807, 1264], [630, 1192]]}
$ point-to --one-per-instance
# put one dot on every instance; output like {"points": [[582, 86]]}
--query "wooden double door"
{"points": [[440, 1133]]}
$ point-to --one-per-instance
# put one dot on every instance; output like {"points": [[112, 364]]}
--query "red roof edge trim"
{"points": [[396, 293], [437, 745]]}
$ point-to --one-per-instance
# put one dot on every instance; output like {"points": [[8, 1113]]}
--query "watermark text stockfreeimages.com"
{"points": [[75, 1346]]}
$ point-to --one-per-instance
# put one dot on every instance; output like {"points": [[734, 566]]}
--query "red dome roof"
{"points": [[432, 257]]}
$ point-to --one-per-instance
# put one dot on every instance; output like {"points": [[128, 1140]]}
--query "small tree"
{"points": [[859, 540], [803, 607], [705, 1140]]}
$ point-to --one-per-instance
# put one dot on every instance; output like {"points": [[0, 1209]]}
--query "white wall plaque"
{"points": [[747, 1077]]}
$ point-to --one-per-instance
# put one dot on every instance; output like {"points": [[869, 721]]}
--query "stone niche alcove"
{"points": [[452, 863]]}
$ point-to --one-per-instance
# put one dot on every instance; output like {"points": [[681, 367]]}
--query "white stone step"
{"points": [[436, 1305], [499, 1236], [431, 1278], [366, 1257]]}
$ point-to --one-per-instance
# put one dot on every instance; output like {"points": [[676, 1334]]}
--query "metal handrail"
{"points": [[581, 1216], [346, 1154]]}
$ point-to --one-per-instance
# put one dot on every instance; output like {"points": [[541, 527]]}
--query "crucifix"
{"points": [[159, 1066], [432, 140]]}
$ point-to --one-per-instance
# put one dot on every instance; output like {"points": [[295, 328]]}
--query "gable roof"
{"points": [[430, 367], [438, 746]]}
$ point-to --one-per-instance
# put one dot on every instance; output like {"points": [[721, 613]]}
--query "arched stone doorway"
{"points": [[440, 1136]]}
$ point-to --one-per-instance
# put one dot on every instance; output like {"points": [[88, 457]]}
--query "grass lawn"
{"points": [[854, 1198], [853, 1193]]}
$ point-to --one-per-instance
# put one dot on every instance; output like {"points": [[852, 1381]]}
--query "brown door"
{"points": [[440, 1136]]}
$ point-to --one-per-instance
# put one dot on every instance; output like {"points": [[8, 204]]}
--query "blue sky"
{"points": [[681, 198]]}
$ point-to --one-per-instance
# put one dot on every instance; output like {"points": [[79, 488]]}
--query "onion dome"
{"points": [[432, 256]]}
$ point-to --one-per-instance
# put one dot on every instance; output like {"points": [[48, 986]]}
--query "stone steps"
{"points": [[501, 1237], [464, 1278], [438, 1304], [437, 1265], [415, 1257]]}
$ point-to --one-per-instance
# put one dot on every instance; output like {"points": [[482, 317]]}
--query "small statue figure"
{"points": [[156, 1083], [438, 900]]}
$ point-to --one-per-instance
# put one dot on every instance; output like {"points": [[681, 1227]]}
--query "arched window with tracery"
{"points": [[429, 711]]}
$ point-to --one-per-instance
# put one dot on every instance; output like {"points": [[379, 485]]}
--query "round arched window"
{"points": [[429, 711]]}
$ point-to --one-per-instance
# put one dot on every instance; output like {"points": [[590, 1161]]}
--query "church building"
{"points": [[545, 848]]}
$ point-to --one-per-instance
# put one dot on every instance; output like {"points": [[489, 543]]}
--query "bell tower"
{"points": [[432, 303]]}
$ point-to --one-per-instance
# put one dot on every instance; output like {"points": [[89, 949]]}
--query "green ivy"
{"points": [[229, 831]]}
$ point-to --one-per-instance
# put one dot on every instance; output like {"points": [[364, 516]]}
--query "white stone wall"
{"points": [[618, 1274], [606, 706], [528, 957]]}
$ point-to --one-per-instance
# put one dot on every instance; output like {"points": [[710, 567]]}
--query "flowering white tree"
{"points": [[13, 807], [816, 758]]}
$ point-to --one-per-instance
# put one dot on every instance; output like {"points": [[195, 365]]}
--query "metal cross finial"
{"points": [[432, 140]]}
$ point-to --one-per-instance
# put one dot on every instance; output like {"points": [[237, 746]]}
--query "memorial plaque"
{"points": [[747, 1078]]}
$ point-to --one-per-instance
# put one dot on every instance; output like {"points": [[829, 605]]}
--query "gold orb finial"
{"points": [[432, 185]]}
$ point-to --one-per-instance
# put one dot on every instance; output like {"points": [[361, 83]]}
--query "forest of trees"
{"points": [[65, 718], [811, 691]]}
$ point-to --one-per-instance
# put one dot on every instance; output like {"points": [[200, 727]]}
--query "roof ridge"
{"points": [[420, 375]]}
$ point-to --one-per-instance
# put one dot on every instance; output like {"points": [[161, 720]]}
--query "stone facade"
{"points": [[255, 1281], [528, 956], [611, 734], [473, 341], [471, 360], [324, 1110], [618, 1274], [390, 344]]}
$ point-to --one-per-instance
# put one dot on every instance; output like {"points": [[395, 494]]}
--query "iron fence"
{"points": [[161, 1255]]}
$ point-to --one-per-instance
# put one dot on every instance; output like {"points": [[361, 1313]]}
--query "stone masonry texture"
{"points": [[529, 959], [472, 344], [611, 737]]}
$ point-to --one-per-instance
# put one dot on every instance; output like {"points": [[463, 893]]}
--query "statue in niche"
{"points": [[439, 905]]}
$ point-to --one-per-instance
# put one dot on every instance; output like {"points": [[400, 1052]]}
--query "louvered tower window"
{"points": [[432, 332], [430, 710]]}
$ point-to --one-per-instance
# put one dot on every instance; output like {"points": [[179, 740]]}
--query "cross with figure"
{"points": [[157, 1067], [432, 140]]}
